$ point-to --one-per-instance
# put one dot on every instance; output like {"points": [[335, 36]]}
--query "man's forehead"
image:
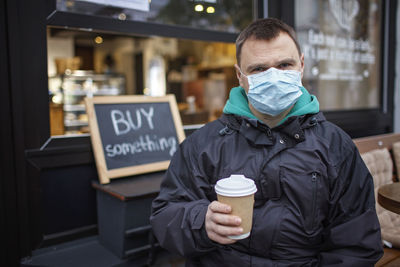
{"points": [[282, 39], [269, 52]]}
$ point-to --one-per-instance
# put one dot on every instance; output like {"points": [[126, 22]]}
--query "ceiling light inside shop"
{"points": [[198, 8], [122, 16], [98, 40], [69, 4], [210, 9], [57, 98]]}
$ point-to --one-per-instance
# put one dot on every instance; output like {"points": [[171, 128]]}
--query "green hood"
{"points": [[238, 104]]}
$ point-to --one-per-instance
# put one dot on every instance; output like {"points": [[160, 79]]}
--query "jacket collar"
{"points": [[259, 133]]}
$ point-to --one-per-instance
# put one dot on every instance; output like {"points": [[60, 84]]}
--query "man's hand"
{"points": [[220, 224]]}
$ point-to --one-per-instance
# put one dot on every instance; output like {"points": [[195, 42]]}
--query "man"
{"points": [[315, 201]]}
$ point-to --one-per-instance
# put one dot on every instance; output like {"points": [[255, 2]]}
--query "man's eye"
{"points": [[258, 69], [284, 65]]}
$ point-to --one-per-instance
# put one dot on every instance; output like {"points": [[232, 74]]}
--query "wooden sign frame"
{"points": [[104, 174]]}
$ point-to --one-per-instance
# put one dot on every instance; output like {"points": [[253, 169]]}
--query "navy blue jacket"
{"points": [[314, 206]]}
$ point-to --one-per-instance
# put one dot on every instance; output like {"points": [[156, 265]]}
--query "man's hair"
{"points": [[264, 29]]}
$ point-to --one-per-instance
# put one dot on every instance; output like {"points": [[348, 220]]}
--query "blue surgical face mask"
{"points": [[274, 91]]}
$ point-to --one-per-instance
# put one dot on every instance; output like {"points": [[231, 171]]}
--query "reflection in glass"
{"points": [[218, 15], [341, 45]]}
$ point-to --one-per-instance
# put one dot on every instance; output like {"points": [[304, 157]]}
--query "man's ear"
{"points": [[238, 75], [302, 64]]}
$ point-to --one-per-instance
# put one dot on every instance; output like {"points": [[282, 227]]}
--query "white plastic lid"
{"points": [[236, 185]]}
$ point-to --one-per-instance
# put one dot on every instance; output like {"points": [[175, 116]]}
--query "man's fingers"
{"points": [[216, 206], [220, 239], [226, 230], [225, 219], [220, 224]]}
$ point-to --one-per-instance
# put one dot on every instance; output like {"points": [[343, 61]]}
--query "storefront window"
{"points": [[81, 64], [217, 15], [341, 42]]}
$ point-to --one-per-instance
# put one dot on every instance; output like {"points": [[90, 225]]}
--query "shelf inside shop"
{"points": [[75, 123], [72, 90], [75, 92], [77, 107], [84, 74], [108, 92]]}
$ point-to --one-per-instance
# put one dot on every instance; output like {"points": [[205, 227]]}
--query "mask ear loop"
{"points": [[240, 70], [247, 78], [241, 73]]}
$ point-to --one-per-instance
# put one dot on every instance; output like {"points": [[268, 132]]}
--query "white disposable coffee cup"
{"points": [[238, 192]]}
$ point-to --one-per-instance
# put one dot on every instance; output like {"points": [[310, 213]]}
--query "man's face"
{"points": [[260, 55]]}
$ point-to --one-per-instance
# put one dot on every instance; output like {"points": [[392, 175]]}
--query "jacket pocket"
{"points": [[302, 191]]}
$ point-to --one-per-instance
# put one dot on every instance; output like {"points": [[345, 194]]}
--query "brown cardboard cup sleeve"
{"points": [[238, 192]]}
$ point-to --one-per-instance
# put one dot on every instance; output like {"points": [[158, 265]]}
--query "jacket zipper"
{"points": [[314, 182]]}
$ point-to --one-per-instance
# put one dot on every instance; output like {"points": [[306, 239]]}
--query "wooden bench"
{"points": [[369, 143], [366, 144], [391, 256]]}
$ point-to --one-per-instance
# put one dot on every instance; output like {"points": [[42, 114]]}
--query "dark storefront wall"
{"points": [[45, 182], [8, 201], [24, 117]]}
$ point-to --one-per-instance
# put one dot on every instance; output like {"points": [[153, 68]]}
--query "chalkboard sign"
{"points": [[133, 134]]}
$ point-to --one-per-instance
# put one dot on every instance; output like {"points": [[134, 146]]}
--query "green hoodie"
{"points": [[238, 104]]}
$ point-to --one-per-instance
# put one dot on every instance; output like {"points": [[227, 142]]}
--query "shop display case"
{"points": [[71, 89]]}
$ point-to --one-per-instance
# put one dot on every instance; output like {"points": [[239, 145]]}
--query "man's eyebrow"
{"points": [[285, 60], [257, 65], [288, 60]]}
